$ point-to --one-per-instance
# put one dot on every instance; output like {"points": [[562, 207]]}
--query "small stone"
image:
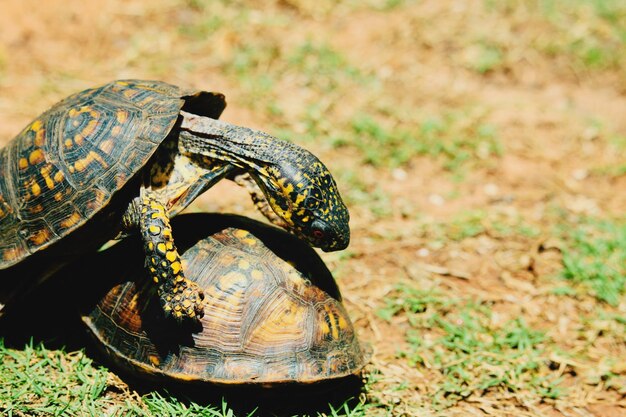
{"points": [[491, 189], [436, 199], [399, 174], [579, 174]]}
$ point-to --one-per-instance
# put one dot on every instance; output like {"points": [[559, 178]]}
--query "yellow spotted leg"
{"points": [[258, 198], [180, 298]]}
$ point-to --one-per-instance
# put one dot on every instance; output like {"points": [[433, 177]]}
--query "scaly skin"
{"points": [[296, 185], [258, 198], [181, 299]]}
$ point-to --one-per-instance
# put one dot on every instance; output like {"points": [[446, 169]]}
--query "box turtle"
{"points": [[273, 311], [127, 156]]}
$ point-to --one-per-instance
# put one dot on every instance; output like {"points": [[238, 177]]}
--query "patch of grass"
{"points": [[611, 170], [589, 34], [603, 326], [38, 381], [485, 57], [595, 258], [472, 223], [323, 8], [158, 405], [382, 5], [51, 382], [598, 38], [466, 225], [262, 69], [202, 28], [469, 352], [618, 141], [456, 139], [325, 69], [359, 192], [616, 145], [348, 410], [258, 85]]}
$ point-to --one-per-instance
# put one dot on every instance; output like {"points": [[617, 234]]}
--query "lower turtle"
{"points": [[273, 312]]}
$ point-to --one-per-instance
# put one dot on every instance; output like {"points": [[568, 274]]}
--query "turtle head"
{"points": [[298, 191], [304, 196]]}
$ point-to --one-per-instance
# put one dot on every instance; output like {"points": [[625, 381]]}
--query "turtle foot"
{"points": [[182, 301]]}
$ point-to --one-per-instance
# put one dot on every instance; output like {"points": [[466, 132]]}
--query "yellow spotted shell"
{"points": [[273, 313], [66, 175]]}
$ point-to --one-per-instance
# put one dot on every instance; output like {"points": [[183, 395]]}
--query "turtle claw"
{"points": [[182, 301]]}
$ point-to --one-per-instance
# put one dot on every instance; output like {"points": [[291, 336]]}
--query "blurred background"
{"points": [[480, 146]]}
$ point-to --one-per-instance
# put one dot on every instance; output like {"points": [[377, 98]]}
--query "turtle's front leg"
{"points": [[180, 298], [258, 198]]}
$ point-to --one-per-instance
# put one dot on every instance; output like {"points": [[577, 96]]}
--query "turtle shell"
{"points": [[273, 312], [68, 164]]}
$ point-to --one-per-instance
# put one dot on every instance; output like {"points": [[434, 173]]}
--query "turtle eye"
{"points": [[318, 234], [319, 231]]}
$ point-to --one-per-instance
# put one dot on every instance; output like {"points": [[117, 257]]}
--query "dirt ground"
{"points": [[560, 125]]}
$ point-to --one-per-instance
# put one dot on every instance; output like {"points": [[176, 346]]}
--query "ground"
{"points": [[480, 147]]}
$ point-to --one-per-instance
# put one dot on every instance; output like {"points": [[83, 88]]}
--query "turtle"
{"points": [[273, 312], [127, 156]]}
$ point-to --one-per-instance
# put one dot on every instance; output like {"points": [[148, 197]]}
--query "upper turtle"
{"points": [[125, 157]]}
